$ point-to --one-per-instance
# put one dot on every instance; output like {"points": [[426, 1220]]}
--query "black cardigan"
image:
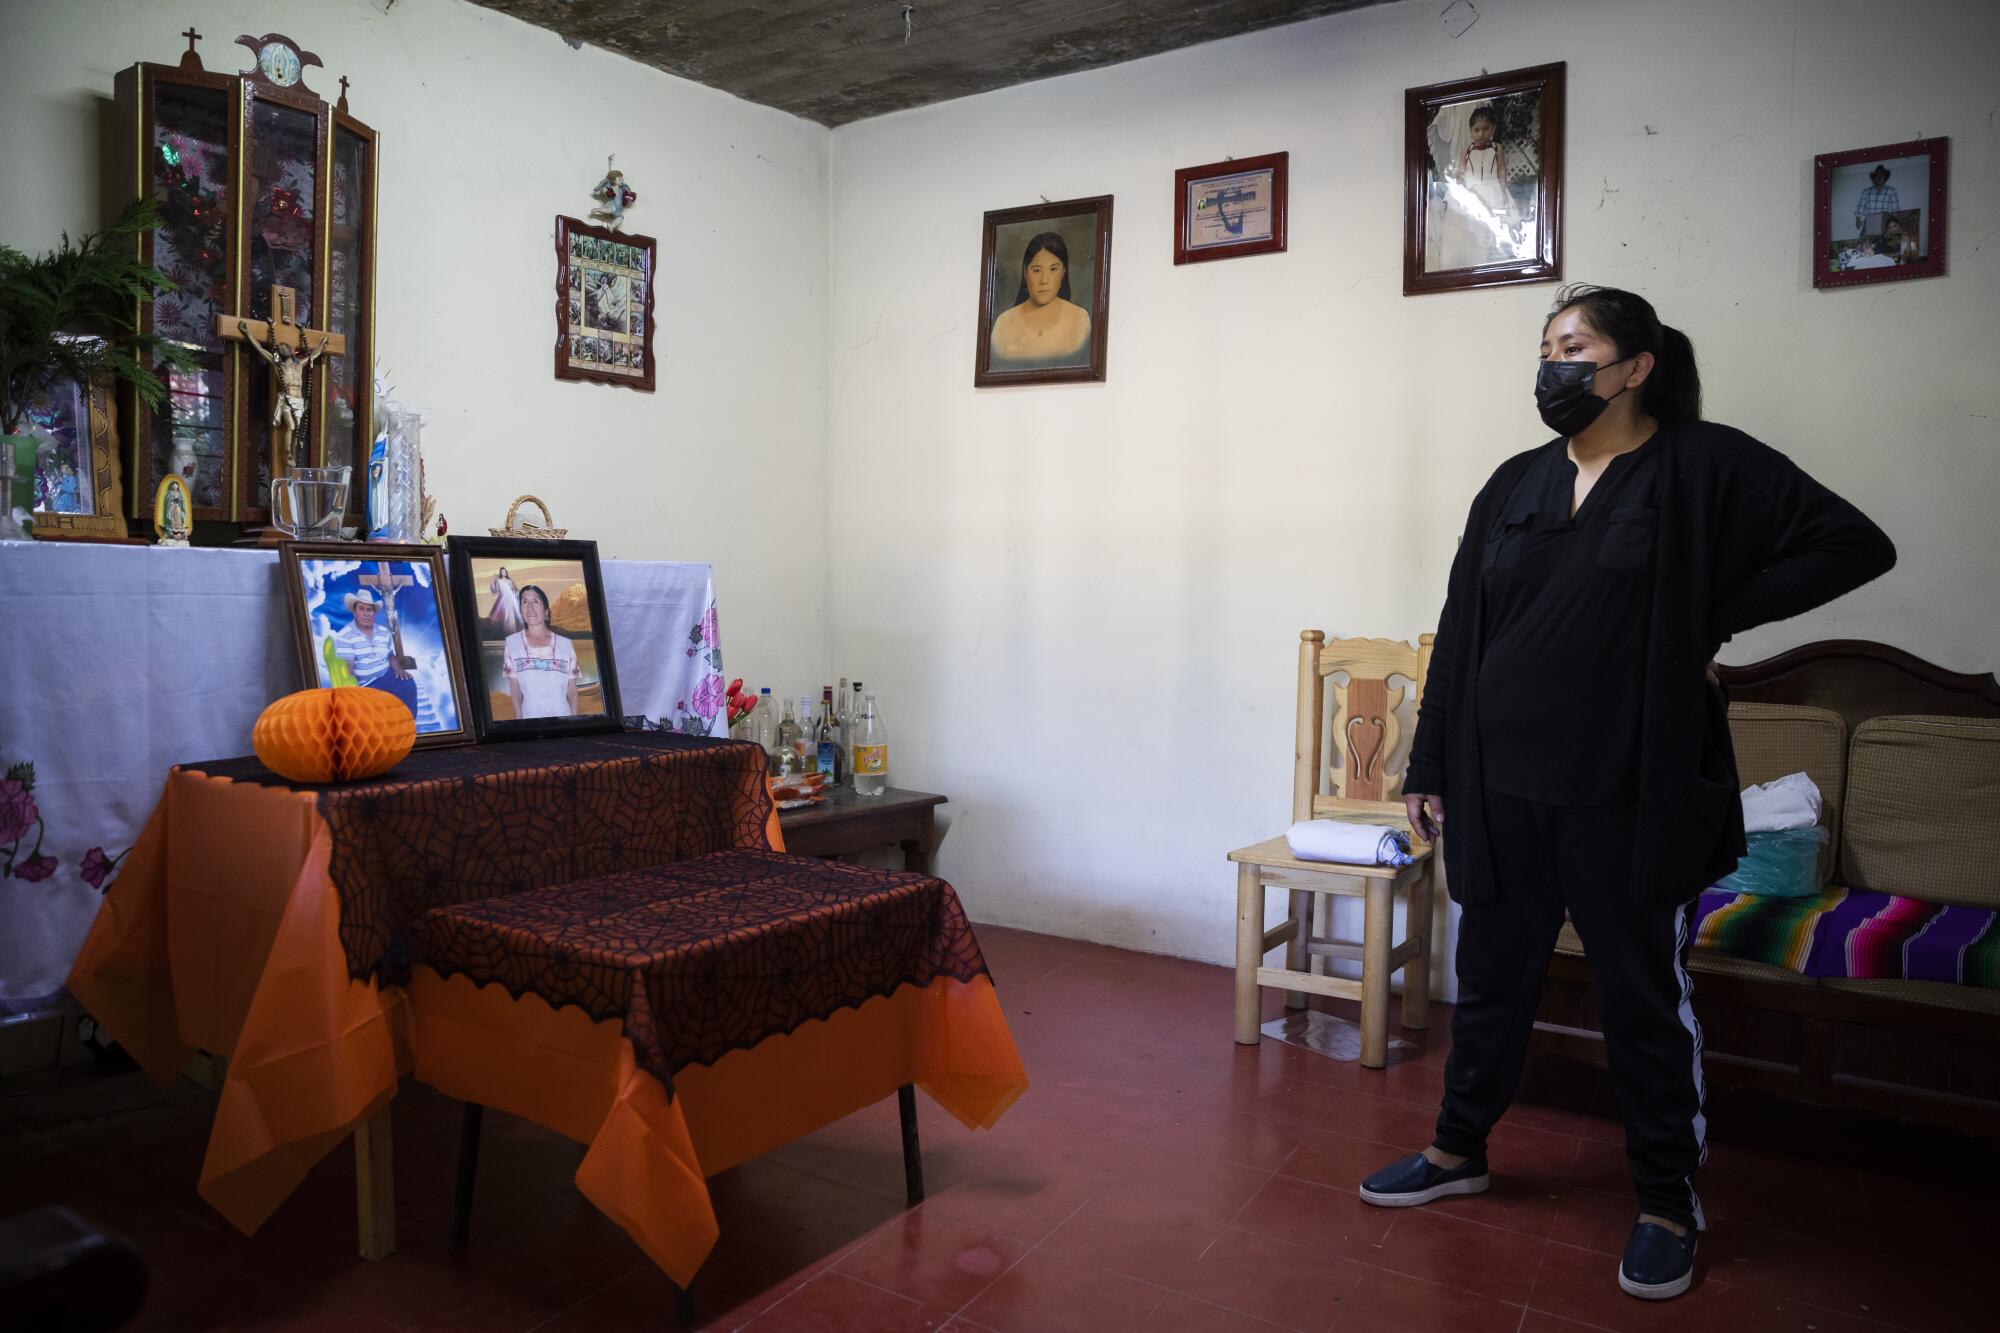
{"points": [[1745, 538]]}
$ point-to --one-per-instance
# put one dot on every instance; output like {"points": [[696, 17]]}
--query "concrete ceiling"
{"points": [[834, 62]]}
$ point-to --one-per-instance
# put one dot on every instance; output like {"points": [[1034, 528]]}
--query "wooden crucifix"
{"points": [[400, 664], [291, 351]]}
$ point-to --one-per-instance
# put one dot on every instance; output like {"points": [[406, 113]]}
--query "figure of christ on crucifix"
{"points": [[291, 351], [377, 658]]}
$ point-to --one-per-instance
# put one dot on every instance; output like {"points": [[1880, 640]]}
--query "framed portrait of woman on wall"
{"points": [[1044, 293], [1482, 181], [537, 644]]}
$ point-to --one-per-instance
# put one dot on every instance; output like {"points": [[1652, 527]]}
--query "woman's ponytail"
{"points": [[1673, 390]]}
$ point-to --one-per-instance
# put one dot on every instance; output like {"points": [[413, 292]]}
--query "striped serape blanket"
{"points": [[1855, 933]]}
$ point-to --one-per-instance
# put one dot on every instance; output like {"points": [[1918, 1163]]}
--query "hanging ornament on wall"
{"points": [[613, 197]]}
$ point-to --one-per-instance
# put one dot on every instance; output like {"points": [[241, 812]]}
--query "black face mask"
{"points": [[1562, 392]]}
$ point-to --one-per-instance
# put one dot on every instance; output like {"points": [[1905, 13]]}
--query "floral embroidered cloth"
{"points": [[144, 657]]}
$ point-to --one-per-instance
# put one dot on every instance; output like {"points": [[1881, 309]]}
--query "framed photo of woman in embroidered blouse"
{"points": [[1044, 293], [537, 645]]}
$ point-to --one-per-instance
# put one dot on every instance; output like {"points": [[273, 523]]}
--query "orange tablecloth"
{"points": [[223, 933]]}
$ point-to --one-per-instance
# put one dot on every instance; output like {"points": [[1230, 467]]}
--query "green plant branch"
{"points": [[67, 315]]}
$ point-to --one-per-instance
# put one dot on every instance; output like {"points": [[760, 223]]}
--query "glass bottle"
{"points": [[763, 728], [871, 751], [806, 744], [827, 737], [788, 743], [853, 721]]}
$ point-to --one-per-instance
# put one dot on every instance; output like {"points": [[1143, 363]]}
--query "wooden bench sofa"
{"points": [[1913, 808]]}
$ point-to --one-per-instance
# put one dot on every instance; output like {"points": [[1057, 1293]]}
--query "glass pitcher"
{"points": [[309, 503]]}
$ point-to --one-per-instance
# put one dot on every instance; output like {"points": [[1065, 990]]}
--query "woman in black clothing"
{"points": [[1574, 723]]}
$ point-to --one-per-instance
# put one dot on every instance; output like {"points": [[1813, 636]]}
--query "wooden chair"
{"points": [[1366, 731]]}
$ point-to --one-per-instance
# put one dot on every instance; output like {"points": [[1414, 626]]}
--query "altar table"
{"points": [[280, 925], [126, 660]]}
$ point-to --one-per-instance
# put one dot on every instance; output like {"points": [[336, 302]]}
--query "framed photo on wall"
{"points": [[68, 477], [1228, 209], [1044, 293], [536, 641], [1878, 213], [604, 305], [1482, 181], [382, 618]]}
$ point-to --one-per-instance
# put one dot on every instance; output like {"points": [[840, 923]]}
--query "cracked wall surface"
{"points": [[836, 63]]}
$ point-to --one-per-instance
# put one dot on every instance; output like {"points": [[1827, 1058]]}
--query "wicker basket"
{"points": [[518, 527]]}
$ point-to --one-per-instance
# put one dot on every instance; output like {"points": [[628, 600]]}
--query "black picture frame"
{"points": [[297, 558], [481, 644]]}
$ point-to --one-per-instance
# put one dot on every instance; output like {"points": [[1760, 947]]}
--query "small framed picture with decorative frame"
{"points": [[71, 471], [536, 640], [1483, 181], [1878, 213], [604, 305], [1228, 209]]}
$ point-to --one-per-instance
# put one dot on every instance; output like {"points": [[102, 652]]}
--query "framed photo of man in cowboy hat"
{"points": [[380, 618], [1879, 213]]}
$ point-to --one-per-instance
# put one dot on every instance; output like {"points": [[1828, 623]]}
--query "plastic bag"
{"points": [[1780, 864]]}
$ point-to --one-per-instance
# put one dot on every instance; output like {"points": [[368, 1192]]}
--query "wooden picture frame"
{"points": [[1256, 187], [1910, 242], [83, 425], [323, 581], [567, 575], [1011, 239], [1483, 208], [597, 309]]}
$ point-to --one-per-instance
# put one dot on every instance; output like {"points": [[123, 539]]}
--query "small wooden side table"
{"points": [[846, 823]]}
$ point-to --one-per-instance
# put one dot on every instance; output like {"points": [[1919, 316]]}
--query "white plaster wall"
{"points": [[1081, 604], [490, 128]]}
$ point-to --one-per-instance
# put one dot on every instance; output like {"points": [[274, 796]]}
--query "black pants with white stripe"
{"points": [[1547, 859]]}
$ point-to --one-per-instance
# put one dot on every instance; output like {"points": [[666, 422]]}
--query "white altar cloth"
{"points": [[122, 661]]}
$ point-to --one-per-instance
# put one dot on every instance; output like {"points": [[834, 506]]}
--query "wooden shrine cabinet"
{"points": [[264, 188]]}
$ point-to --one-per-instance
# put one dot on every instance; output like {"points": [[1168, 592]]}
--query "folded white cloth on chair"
{"points": [[1351, 844], [1788, 802]]}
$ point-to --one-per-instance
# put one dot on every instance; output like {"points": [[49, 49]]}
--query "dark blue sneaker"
{"points": [[1657, 1264], [1415, 1180]]}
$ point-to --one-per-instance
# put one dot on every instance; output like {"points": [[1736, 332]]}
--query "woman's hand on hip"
{"points": [[1426, 814]]}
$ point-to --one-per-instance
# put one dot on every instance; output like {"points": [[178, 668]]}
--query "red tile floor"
{"points": [[1156, 1177]]}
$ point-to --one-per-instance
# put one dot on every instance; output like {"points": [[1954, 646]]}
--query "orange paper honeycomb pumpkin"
{"points": [[334, 735]]}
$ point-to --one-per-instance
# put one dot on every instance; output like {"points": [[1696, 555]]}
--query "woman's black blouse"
{"points": [[1567, 610]]}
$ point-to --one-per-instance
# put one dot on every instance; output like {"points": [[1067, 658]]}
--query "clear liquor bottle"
{"points": [[764, 727], [871, 751], [807, 745], [786, 759]]}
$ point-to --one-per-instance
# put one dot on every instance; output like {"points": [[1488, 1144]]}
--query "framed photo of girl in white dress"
{"points": [[537, 645], [1482, 196]]}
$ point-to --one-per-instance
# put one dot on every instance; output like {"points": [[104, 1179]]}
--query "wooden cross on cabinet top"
{"points": [[290, 351], [282, 328]]}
